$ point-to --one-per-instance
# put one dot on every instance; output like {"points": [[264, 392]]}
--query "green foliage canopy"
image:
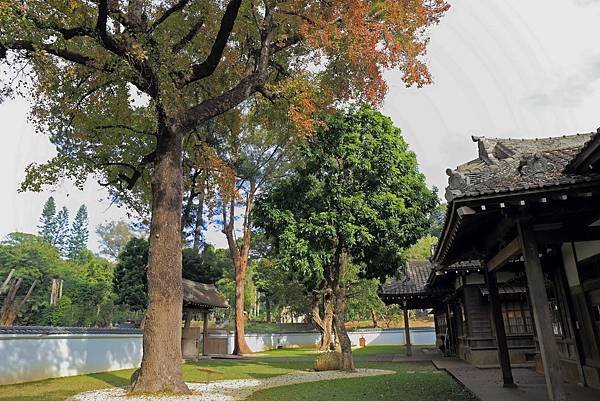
{"points": [[359, 188]]}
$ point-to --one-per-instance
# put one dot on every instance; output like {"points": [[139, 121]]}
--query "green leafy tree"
{"points": [[256, 155], [112, 237], [207, 267], [47, 227], [192, 60], [130, 283], [437, 223], [79, 234], [358, 198], [421, 250], [64, 313], [63, 233], [33, 259]]}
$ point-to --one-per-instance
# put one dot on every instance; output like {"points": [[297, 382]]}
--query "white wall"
{"points": [[30, 357], [263, 342], [35, 357]]}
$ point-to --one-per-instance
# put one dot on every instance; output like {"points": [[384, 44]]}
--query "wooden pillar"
{"points": [[188, 320], [407, 331], [204, 331], [571, 317], [449, 331], [498, 320], [541, 313]]}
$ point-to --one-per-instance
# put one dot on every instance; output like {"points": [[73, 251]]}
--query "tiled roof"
{"points": [[199, 294], [507, 165], [414, 282], [47, 330], [587, 156]]}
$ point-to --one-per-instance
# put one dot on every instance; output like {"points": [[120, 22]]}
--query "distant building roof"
{"points": [[48, 330], [202, 295], [414, 280], [508, 165]]}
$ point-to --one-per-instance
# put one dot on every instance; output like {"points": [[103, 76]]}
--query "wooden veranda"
{"points": [[531, 208]]}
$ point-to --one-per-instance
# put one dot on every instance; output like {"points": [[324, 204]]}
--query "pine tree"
{"points": [[62, 231], [47, 227], [79, 233]]}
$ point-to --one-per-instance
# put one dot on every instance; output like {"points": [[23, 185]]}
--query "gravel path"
{"points": [[229, 390]]}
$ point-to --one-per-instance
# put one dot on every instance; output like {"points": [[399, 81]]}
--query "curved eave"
{"points": [[453, 220]]}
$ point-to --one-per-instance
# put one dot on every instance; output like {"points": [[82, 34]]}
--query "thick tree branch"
{"points": [[248, 85], [136, 172], [176, 7], [126, 127], [208, 66], [65, 54], [188, 37]]}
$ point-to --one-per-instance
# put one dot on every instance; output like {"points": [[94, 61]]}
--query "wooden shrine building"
{"points": [[199, 300], [519, 259]]}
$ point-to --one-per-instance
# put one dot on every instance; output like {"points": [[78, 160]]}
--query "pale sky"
{"points": [[501, 68]]}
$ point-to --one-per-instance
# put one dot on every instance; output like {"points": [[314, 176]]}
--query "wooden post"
{"points": [[188, 320], [503, 354], [407, 331], [204, 331], [450, 331], [541, 313]]}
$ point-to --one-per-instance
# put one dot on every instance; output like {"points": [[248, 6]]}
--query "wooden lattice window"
{"points": [[517, 318]]}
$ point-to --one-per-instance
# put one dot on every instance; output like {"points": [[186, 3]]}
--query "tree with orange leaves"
{"points": [[89, 62]]}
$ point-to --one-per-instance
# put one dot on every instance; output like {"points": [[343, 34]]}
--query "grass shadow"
{"points": [[110, 378]]}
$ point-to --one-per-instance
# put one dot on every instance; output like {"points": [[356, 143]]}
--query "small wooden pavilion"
{"points": [[520, 257], [199, 300], [410, 290]]}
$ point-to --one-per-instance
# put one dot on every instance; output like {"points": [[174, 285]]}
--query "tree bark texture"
{"points": [[11, 305], [161, 362], [339, 308], [324, 323], [239, 255], [240, 346]]}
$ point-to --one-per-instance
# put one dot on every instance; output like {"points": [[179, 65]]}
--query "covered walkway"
{"points": [[487, 384]]}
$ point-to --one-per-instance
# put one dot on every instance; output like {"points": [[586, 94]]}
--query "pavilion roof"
{"points": [[202, 295], [512, 172], [508, 165], [413, 281]]}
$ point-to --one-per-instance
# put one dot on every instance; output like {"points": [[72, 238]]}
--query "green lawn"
{"points": [[414, 381], [309, 352], [59, 389]]}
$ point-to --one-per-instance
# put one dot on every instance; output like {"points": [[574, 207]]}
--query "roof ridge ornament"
{"points": [[535, 164], [457, 182]]}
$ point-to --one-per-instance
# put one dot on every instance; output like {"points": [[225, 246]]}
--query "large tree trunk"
{"points": [[327, 321], [240, 261], [324, 324], [339, 309], [240, 346], [161, 362]]}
